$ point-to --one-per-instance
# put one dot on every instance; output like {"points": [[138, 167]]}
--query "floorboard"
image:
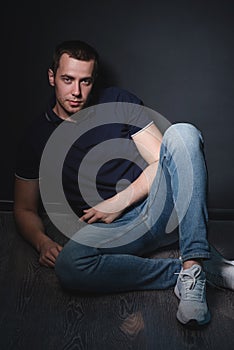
{"points": [[37, 314]]}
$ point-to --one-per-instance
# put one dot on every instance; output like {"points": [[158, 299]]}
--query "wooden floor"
{"points": [[36, 314]]}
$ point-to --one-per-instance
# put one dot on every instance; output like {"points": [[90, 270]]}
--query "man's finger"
{"points": [[50, 264], [53, 253], [59, 248], [46, 262], [87, 216]]}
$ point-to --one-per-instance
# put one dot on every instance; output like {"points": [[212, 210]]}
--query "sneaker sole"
{"points": [[191, 323]]}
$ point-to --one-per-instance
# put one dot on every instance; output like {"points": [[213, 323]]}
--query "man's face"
{"points": [[73, 83]]}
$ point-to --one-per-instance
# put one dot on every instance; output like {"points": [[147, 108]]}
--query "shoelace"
{"points": [[193, 277]]}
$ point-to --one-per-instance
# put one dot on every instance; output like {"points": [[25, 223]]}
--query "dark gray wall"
{"points": [[178, 56]]}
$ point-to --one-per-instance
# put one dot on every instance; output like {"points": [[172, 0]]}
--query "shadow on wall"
{"points": [[106, 76]]}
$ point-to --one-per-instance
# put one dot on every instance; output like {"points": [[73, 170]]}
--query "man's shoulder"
{"points": [[116, 94]]}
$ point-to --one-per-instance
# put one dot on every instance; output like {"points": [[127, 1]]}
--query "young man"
{"points": [[135, 208]]}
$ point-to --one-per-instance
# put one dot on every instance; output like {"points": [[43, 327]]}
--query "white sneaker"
{"points": [[219, 271]]}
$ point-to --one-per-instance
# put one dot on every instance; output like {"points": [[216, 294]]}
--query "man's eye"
{"points": [[66, 80], [87, 81]]}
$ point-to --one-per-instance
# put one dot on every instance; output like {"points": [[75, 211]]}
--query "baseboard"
{"points": [[6, 205]]}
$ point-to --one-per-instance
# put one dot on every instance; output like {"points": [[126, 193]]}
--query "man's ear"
{"points": [[51, 76]]}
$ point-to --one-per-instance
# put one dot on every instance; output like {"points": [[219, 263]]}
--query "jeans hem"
{"points": [[195, 256]]}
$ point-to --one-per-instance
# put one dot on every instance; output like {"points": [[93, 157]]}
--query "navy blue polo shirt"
{"points": [[112, 176]]}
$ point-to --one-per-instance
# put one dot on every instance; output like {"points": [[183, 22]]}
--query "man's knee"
{"points": [[183, 135], [76, 269]]}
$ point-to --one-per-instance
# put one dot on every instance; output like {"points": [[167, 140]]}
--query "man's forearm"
{"points": [[110, 209], [31, 227], [139, 189]]}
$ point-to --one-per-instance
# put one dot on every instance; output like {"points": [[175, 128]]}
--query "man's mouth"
{"points": [[75, 103]]}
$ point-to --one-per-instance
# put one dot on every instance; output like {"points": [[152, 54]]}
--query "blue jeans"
{"points": [[175, 209]]}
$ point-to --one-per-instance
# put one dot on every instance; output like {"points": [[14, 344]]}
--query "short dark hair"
{"points": [[76, 49]]}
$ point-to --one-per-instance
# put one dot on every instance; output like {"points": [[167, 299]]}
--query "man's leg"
{"points": [[183, 168], [116, 269], [183, 153], [182, 172]]}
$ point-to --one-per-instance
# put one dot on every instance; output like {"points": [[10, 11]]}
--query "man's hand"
{"points": [[106, 211], [49, 250]]}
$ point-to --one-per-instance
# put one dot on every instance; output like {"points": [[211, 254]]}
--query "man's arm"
{"points": [[29, 222], [148, 143]]}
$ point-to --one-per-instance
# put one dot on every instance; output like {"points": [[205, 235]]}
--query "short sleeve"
{"points": [[136, 115]]}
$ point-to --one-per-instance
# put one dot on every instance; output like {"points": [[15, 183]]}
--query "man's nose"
{"points": [[76, 89]]}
